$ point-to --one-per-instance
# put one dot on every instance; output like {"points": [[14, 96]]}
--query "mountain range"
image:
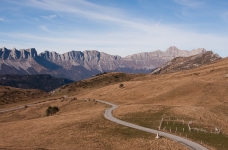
{"points": [[77, 65]]}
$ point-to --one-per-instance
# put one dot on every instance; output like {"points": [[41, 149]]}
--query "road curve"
{"points": [[108, 115]]}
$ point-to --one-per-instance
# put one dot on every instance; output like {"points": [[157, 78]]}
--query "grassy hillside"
{"points": [[78, 125], [198, 95], [96, 82], [10, 96]]}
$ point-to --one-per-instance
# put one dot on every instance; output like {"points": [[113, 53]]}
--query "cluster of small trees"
{"points": [[51, 110], [101, 73]]}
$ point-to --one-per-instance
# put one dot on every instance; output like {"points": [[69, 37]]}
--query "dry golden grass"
{"points": [[199, 90], [96, 82], [199, 94], [10, 96], [78, 125]]}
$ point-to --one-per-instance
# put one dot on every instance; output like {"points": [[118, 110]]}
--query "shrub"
{"points": [[101, 73], [51, 110], [121, 85]]}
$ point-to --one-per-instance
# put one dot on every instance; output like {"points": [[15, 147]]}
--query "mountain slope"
{"points": [[10, 95], [198, 95], [42, 82], [77, 65], [187, 63]]}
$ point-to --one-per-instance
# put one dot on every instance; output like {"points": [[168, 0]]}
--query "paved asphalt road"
{"points": [[11, 109], [108, 115]]}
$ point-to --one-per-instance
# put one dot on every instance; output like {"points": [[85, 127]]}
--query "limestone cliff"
{"points": [[77, 65]]}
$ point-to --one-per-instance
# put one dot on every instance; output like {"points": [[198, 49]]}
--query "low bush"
{"points": [[121, 85], [51, 110], [101, 73]]}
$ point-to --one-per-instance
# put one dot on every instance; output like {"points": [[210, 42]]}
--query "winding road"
{"points": [[108, 115]]}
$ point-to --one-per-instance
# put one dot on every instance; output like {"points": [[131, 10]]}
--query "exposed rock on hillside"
{"points": [[77, 65], [186, 63]]}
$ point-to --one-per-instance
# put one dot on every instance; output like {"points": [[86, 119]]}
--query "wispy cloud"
{"points": [[190, 3], [1, 19], [93, 12], [112, 41], [44, 28], [87, 10], [183, 16], [49, 17], [130, 34]]}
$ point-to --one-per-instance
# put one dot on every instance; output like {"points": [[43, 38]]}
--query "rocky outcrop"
{"points": [[186, 63], [15, 54], [77, 65]]}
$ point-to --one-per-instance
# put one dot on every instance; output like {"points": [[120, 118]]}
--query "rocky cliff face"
{"points": [[14, 54], [77, 65], [186, 63]]}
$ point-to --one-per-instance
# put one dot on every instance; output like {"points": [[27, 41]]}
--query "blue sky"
{"points": [[118, 27]]}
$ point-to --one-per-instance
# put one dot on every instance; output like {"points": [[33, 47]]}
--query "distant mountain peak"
{"points": [[78, 65], [172, 48]]}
